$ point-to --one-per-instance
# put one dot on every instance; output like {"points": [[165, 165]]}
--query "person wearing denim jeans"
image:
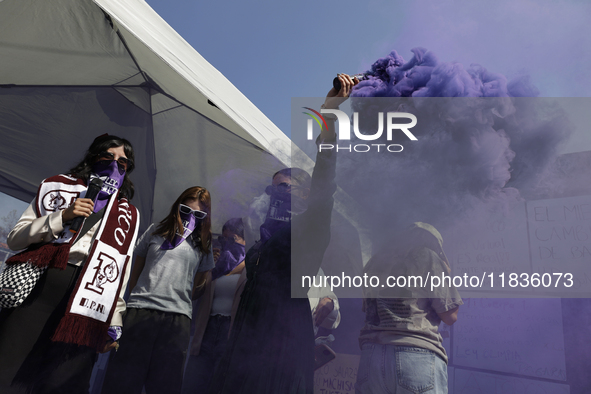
{"points": [[400, 369], [401, 348]]}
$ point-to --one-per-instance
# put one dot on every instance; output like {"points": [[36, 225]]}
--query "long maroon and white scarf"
{"points": [[93, 301]]}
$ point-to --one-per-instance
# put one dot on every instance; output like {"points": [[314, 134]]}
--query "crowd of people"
{"points": [[248, 334]]}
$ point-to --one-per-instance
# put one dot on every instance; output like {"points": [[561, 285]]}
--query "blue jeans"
{"points": [[393, 369]]}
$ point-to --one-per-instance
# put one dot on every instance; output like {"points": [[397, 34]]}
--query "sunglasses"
{"points": [[124, 163], [283, 187], [280, 188], [187, 210]]}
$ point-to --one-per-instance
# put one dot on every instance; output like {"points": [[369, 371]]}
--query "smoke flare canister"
{"points": [[336, 83]]}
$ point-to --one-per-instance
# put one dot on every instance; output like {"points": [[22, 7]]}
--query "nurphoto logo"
{"points": [[344, 130]]}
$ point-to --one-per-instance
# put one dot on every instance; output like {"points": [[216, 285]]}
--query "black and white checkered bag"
{"points": [[16, 283]]}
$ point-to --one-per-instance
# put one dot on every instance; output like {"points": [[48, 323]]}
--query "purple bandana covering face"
{"points": [[231, 255], [112, 177], [282, 206], [189, 224]]}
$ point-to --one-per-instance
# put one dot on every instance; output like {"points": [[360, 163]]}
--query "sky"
{"points": [[273, 51]]}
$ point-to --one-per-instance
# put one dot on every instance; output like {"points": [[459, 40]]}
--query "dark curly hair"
{"points": [[99, 145]]}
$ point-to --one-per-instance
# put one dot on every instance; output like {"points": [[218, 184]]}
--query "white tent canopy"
{"points": [[71, 70]]}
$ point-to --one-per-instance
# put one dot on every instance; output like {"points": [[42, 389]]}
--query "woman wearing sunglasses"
{"points": [[172, 259], [49, 343]]}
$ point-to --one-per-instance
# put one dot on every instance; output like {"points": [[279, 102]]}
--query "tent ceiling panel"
{"points": [[60, 42], [136, 80], [139, 96], [184, 74], [161, 102]]}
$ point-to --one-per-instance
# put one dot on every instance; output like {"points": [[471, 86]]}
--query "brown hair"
{"points": [[172, 224]]}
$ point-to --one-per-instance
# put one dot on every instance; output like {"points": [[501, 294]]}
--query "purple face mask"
{"points": [[112, 177], [230, 256], [189, 224]]}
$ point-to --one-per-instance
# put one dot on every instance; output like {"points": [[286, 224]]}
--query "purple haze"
{"points": [[474, 156], [492, 143], [425, 76]]}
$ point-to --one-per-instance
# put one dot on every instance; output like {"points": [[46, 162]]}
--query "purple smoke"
{"points": [[425, 76], [482, 138]]}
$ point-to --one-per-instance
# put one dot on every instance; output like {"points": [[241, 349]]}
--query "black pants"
{"points": [[152, 353], [28, 358], [200, 368]]}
